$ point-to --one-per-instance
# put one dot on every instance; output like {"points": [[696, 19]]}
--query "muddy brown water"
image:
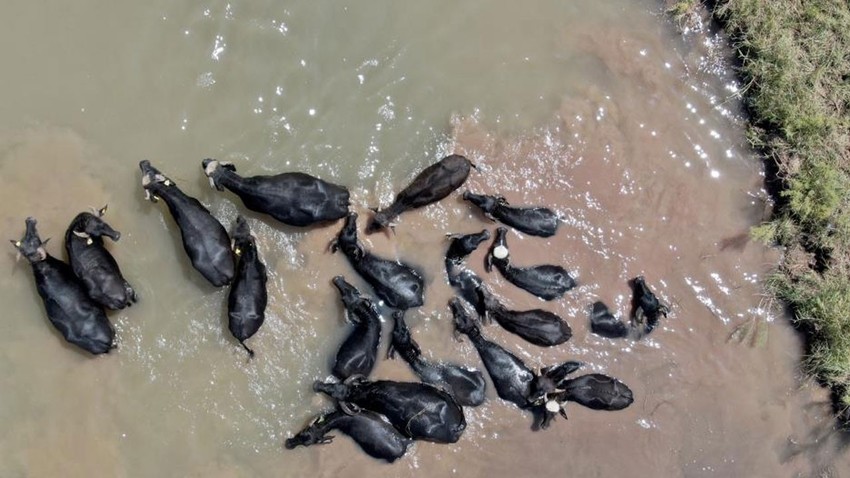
{"points": [[598, 109]]}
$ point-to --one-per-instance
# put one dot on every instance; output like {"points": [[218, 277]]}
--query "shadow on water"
{"points": [[819, 445]]}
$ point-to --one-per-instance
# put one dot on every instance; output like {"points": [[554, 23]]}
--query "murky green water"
{"points": [[597, 109]]}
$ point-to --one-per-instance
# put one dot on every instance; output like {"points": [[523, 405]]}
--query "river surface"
{"points": [[597, 109]]}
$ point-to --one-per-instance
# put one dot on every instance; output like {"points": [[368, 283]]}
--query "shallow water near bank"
{"points": [[598, 110]]}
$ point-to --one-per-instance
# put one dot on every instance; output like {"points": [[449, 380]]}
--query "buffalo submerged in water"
{"points": [[377, 437], [534, 221], [647, 310], [359, 351], [544, 393], [595, 391], [418, 410], [513, 380], [462, 278], [465, 385], [204, 238], [246, 303], [538, 326], [545, 281], [431, 185], [297, 199], [93, 264], [397, 284], [79, 319]]}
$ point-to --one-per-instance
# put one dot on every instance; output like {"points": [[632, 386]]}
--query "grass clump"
{"points": [[686, 13], [822, 306], [815, 194], [795, 63], [682, 8]]}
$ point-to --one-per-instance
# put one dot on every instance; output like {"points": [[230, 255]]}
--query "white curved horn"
{"points": [[211, 166]]}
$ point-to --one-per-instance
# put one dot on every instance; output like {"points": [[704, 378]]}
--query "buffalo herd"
{"points": [[382, 416]]}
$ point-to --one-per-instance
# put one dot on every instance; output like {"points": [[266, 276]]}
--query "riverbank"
{"points": [[795, 68]]}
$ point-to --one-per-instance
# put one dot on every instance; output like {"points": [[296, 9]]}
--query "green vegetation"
{"points": [[686, 13], [795, 63]]}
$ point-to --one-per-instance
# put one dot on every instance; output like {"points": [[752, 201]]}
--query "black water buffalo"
{"points": [[359, 351], [463, 279], [377, 437], [397, 284], [513, 380], [646, 306], [535, 221], [465, 385], [246, 304], [594, 390], [297, 199], [418, 410], [93, 264], [545, 281], [77, 317], [462, 245], [646, 311], [537, 326], [434, 183], [604, 323], [204, 238]]}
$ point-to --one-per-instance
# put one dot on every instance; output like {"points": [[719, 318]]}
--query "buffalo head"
{"points": [[486, 203], [214, 169], [87, 225], [150, 177], [31, 246], [314, 433]]}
